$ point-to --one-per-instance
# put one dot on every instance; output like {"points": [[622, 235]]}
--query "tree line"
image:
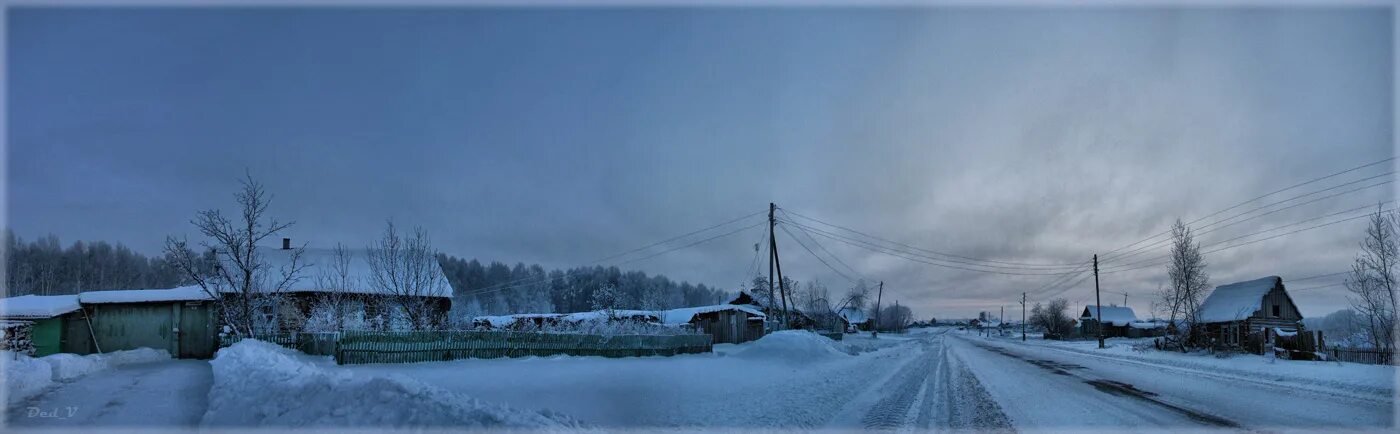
{"points": [[44, 267], [496, 288]]}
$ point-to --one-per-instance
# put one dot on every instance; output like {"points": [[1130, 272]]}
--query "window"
{"points": [[1276, 311]]}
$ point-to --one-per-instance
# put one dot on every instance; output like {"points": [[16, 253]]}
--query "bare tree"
{"points": [[1373, 278], [406, 271], [337, 284], [1189, 282], [235, 273], [1054, 317]]}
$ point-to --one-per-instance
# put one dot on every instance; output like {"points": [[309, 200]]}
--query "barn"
{"points": [[53, 319], [1117, 321], [179, 320], [727, 323], [1235, 312]]}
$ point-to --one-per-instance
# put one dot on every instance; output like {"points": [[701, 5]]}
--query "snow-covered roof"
{"points": [[184, 293], [853, 315], [597, 315], [1116, 315], [1147, 325], [319, 262], [1236, 301], [37, 306], [685, 314]]}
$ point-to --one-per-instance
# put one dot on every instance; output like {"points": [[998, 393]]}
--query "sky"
{"points": [[563, 136]]}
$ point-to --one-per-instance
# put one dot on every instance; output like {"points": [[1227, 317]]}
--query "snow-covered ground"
{"points": [[1118, 387], [939, 378]]}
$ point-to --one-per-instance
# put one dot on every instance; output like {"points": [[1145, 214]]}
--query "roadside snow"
{"points": [[791, 346], [262, 384], [24, 376], [28, 376]]}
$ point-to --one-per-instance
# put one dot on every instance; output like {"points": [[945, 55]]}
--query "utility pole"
{"points": [[1099, 304], [773, 246], [875, 332], [770, 306], [1023, 317]]}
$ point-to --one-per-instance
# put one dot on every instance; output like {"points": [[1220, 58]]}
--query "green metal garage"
{"points": [[179, 320]]}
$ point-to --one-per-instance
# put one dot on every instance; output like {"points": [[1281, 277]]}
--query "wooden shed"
{"points": [[181, 321], [57, 320], [726, 323], [1234, 312]]}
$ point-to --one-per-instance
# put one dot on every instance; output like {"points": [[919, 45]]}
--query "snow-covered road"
{"points": [[1044, 387], [166, 394]]}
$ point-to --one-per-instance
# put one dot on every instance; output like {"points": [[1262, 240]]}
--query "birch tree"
{"points": [[1188, 282], [1372, 281]]}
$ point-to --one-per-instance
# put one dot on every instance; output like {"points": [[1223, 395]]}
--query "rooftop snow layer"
{"points": [[853, 315], [685, 314], [184, 293], [318, 261], [1236, 301], [37, 306], [1117, 315]]}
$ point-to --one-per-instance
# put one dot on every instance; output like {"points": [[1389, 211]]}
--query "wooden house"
{"points": [[1235, 312], [1116, 322], [302, 295], [179, 320]]}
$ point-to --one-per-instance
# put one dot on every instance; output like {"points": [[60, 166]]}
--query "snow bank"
{"points": [[793, 346], [27, 376], [261, 384], [69, 366], [24, 376]]}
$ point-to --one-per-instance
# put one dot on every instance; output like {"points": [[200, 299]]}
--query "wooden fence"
{"points": [[1373, 357], [356, 347]]}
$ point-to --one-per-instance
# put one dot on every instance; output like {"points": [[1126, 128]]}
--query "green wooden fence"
{"points": [[356, 347]]}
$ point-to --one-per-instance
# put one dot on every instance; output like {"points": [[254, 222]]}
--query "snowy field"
{"points": [[938, 378]]}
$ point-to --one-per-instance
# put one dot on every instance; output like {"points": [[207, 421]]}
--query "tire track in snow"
{"points": [[892, 411]]}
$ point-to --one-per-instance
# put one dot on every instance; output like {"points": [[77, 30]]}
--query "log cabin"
{"points": [[1234, 312]]}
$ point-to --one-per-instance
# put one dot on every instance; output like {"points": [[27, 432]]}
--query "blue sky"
{"points": [[560, 136]]}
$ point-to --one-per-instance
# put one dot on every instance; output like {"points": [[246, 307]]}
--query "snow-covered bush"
{"points": [[16, 336], [261, 384]]}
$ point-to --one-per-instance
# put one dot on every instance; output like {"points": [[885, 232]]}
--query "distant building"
{"points": [[855, 319], [1235, 312], [1116, 321]]}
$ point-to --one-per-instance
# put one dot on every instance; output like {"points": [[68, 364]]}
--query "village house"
{"points": [[726, 323], [1237, 313], [855, 320], [1117, 321], [319, 277]]}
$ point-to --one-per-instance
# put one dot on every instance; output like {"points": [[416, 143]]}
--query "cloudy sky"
{"points": [[1037, 136]]}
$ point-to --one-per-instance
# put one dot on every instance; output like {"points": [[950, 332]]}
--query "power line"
{"points": [[1158, 258], [1154, 245], [1353, 169], [828, 252], [883, 249], [933, 252], [531, 280], [916, 258], [1259, 240], [814, 255]]}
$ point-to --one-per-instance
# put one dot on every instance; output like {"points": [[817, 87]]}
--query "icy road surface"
{"points": [[166, 394]]}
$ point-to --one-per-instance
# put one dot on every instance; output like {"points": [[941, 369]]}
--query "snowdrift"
{"points": [[27, 376], [261, 384], [793, 346]]}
